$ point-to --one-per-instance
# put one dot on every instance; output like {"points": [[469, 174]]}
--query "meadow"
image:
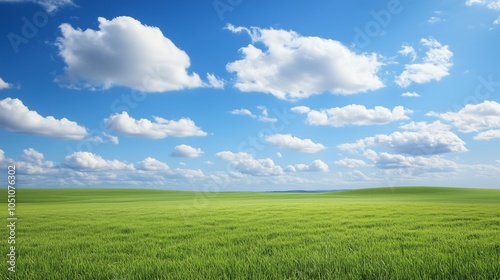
{"points": [[384, 233]]}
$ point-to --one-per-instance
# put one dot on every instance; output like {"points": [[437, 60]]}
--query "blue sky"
{"points": [[250, 95]]}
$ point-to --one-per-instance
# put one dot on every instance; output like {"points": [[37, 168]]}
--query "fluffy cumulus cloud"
{"points": [[16, 117], [291, 66], [125, 52], [425, 139], [49, 5], [351, 162], [474, 118], [246, 164], [315, 166], [157, 129], [34, 163], [105, 138], [186, 151], [263, 116], [152, 164], [90, 161], [488, 135], [410, 94], [242, 112], [419, 163], [291, 142], [407, 50], [490, 4], [434, 66], [4, 84], [353, 115]]}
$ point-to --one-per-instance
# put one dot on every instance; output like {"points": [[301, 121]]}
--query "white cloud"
{"points": [[473, 117], [315, 166], [488, 135], [186, 151], [472, 2], [410, 94], [16, 117], [434, 66], [355, 175], [4, 84], [263, 117], [158, 129], [106, 138], [301, 110], [407, 50], [188, 174], [433, 20], [124, 52], [49, 5], [278, 154], [426, 140], [497, 21], [419, 163], [424, 126], [215, 82], [246, 164], [354, 115], [490, 4], [90, 161], [152, 164], [32, 155], [208, 162], [2, 155], [351, 162], [293, 143], [242, 112], [34, 163], [290, 66]]}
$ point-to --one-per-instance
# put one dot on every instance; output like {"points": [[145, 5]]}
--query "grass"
{"points": [[386, 233]]}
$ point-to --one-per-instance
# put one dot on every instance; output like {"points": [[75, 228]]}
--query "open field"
{"points": [[388, 233]]}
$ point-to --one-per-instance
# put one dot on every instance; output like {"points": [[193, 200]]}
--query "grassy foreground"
{"points": [[388, 233]]}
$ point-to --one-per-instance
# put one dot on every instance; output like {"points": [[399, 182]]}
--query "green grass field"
{"points": [[388, 233]]}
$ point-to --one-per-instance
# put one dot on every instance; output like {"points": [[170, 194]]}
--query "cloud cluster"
{"points": [[353, 115], [16, 117], [410, 94], [291, 142], [105, 138], [4, 84], [157, 129], [152, 164], [186, 151], [434, 66], [290, 66], [475, 118], [418, 163], [315, 166], [490, 4], [90, 161], [125, 52], [425, 141], [488, 135], [49, 5], [246, 164], [263, 116], [34, 163], [351, 162], [419, 149]]}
